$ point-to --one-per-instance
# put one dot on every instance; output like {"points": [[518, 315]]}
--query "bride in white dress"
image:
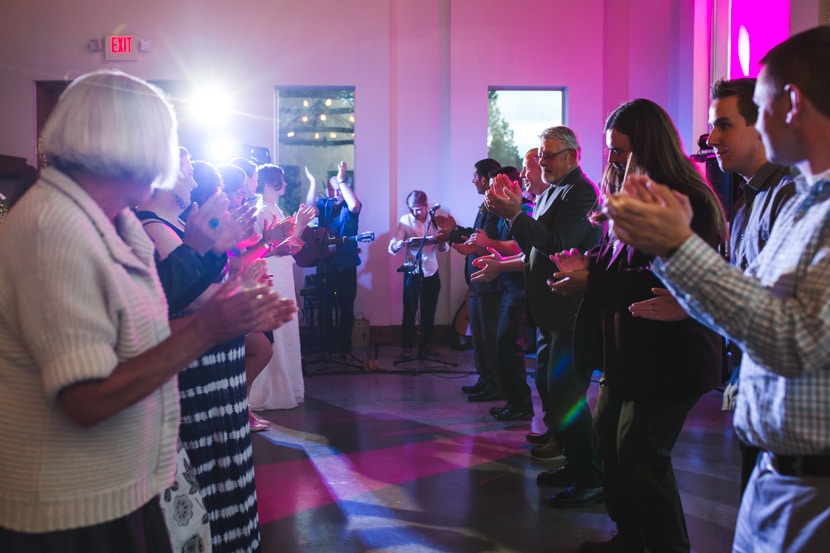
{"points": [[280, 384]]}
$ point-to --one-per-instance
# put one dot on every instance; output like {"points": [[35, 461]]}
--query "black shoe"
{"points": [[539, 439], [513, 413], [577, 496], [563, 476], [475, 388], [487, 394], [496, 410]]}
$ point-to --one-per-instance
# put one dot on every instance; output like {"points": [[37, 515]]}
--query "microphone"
{"points": [[434, 208]]}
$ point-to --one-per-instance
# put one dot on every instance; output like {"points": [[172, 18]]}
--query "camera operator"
{"points": [[420, 269]]}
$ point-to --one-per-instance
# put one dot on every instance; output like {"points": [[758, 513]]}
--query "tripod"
{"points": [[415, 270]]}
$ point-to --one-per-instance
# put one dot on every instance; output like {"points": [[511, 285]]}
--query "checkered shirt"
{"points": [[779, 313]]}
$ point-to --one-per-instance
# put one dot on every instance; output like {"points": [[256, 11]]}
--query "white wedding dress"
{"points": [[280, 384]]}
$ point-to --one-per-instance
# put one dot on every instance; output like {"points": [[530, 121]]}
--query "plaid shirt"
{"points": [[779, 313]]}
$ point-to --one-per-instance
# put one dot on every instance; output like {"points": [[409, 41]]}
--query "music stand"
{"points": [[417, 271]]}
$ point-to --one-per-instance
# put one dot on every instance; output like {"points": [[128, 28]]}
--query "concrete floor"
{"points": [[391, 461]]}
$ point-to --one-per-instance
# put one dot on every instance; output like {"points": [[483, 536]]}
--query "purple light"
{"points": [[755, 27]]}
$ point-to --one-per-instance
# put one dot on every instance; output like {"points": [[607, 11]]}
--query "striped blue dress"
{"points": [[215, 432]]}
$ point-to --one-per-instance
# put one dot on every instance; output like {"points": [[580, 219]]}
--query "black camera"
{"points": [[704, 151], [408, 267]]}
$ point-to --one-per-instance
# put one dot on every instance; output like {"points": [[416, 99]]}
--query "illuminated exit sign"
{"points": [[120, 48]]}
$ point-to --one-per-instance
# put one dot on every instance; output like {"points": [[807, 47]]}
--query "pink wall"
{"points": [[755, 27], [421, 71]]}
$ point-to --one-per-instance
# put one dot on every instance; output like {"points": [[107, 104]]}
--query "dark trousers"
{"points": [[142, 531], [540, 376], [511, 354], [635, 440], [338, 290], [484, 316], [568, 415], [416, 287]]}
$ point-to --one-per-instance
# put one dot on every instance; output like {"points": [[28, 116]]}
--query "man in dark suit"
{"points": [[485, 297], [559, 222]]}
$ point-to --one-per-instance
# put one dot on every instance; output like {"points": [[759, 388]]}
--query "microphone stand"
{"points": [[418, 273]]}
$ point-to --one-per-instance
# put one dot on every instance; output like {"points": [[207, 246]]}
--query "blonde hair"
{"points": [[114, 125]]}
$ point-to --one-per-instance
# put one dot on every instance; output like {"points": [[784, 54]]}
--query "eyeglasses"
{"points": [[617, 152], [547, 156]]}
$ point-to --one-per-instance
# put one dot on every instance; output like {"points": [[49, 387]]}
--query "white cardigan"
{"points": [[77, 297]]}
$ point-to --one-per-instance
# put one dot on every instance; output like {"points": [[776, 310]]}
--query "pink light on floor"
{"points": [[289, 488], [755, 26]]}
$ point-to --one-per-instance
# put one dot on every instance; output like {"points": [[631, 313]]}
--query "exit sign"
{"points": [[120, 48]]}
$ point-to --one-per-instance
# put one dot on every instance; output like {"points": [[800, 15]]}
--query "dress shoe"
{"points": [[257, 424], [538, 438], [496, 410], [514, 413], [487, 394], [577, 496], [548, 452], [617, 544], [475, 388], [406, 353], [563, 476]]}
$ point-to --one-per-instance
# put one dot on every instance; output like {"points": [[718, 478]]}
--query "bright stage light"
{"points": [[210, 105], [221, 150]]}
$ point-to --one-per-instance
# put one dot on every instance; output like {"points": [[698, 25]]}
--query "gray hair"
{"points": [[564, 135], [115, 126]]}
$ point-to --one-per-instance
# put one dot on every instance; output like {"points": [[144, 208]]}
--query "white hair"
{"points": [[565, 135], [114, 125]]}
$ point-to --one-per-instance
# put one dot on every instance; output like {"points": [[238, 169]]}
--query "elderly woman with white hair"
{"points": [[89, 401]]}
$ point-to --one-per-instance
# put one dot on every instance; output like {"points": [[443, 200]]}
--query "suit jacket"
{"points": [[559, 222], [643, 359]]}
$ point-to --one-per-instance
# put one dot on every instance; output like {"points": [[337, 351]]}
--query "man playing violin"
{"points": [[420, 268]]}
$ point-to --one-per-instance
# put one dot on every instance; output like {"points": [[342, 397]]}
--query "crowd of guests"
{"points": [[162, 300], [628, 279], [165, 314]]}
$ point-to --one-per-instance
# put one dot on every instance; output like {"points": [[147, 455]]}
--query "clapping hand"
{"points": [[235, 310], [649, 216], [489, 267], [504, 198], [662, 307], [480, 239], [570, 260], [241, 225], [303, 216], [289, 246], [572, 277], [464, 248], [277, 231], [445, 225], [204, 230]]}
